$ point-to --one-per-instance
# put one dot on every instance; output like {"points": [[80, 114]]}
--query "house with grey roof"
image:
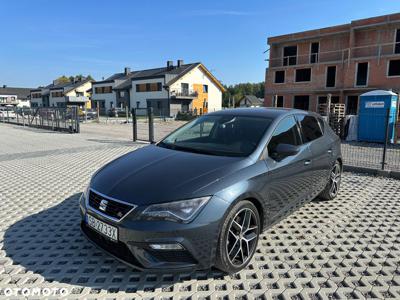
{"points": [[181, 87], [76, 92], [14, 96], [250, 101]]}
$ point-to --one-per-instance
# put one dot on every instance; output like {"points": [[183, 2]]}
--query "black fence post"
{"points": [[78, 124], [134, 124], [386, 139], [151, 124]]}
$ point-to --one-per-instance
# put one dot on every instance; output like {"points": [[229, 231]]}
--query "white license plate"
{"points": [[103, 228]]}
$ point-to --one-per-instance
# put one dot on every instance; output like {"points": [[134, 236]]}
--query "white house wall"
{"points": [[80, 89], [141, 97], [110, 98], [198, 76], [54, 100]]}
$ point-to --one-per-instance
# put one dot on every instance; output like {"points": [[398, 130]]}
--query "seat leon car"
{"points": [[201, 197]]}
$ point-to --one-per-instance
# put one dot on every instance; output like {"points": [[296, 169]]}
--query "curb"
{"points": [[375, 172]]}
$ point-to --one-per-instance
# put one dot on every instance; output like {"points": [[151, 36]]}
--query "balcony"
{"points": [[76, 99], [11, 100], [183, 94], [376, 51]]}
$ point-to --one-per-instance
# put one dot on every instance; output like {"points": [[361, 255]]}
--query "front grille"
{"points": [[118, 249], [113, 209], [172, 256]]}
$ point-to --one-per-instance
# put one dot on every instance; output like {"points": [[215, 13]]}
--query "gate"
{"points": [[50, 118], [375, 147]]}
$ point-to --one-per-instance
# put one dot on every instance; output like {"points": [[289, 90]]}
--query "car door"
{"points": [[312, 134], [287, 181]]}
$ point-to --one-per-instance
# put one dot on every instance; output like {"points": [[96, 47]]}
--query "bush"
{"points": [[184, 116]]}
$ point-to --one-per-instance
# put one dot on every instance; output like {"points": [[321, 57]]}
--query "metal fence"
{"points": [[369, 141], [148, 115], [51, 118]]}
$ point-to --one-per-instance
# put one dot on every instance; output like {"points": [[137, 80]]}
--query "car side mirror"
{"points": [[284, 150]]}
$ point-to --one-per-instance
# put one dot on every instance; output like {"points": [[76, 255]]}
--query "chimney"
{"points": [[180, 62], [127, 71], [170, 65]]}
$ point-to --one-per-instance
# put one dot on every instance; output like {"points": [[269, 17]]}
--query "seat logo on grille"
{"points": [[103, 204]]}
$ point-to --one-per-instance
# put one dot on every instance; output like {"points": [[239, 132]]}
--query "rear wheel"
{"points": [[238, 238], [332, 188]]}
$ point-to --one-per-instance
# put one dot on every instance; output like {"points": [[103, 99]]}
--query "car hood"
{"points": [[154, 175]]}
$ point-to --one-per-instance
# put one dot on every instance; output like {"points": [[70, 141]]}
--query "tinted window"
{"points": [[362, 74], [303, 75], [279, 76], [309, 127], [394, 67], [224, 135], [289, 55], [285, 133]]}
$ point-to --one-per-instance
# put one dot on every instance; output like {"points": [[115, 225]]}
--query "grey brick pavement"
{"points": [[346, 248]]}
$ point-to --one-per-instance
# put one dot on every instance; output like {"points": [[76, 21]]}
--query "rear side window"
{"points": [[321, 124], [285, 133], [310, 128]]}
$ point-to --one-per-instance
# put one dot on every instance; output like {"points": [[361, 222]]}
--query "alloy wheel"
{"points": [[242, 237], [335, 178]]}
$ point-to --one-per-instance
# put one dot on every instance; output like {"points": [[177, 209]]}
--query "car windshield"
{"points": [[224, 135]]}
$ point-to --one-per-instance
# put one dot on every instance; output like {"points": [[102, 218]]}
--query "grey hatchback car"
{"points": [[201, 197]]}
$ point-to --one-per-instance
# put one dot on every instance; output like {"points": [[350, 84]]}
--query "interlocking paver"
{"points": [[346, 248]]}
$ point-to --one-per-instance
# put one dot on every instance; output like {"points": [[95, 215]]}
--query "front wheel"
{"points": [[332, 188], [238, 239]]}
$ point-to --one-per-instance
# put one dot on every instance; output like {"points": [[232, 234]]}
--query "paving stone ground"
{"points": [[348, 248]]}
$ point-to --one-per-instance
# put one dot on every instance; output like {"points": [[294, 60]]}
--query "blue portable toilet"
{"points": [[372, 116]]}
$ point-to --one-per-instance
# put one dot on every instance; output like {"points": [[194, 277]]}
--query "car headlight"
{"points": [[85, 194], [179, 211]]}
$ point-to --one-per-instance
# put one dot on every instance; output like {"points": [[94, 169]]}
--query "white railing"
{"points": [[344, 55], [77, 99]]}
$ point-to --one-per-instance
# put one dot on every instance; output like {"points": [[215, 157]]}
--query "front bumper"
{"points": [[199, 239]]}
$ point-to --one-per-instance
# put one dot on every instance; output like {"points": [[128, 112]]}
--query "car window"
{"points": [[225, 135], [309, 127], [202, 129], [285, 133]]}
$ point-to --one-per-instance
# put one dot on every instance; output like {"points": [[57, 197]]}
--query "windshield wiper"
{"points": [[186, 149]]}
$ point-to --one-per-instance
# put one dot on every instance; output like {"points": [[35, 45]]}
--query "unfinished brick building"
{"points": [[344, 61]]}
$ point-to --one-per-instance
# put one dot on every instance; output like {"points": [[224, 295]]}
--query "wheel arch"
{"points": [[258, 203]]}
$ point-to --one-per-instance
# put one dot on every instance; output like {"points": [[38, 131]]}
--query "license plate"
{"points": [[107, 230]]}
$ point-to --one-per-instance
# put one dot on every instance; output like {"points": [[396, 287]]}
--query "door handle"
{"points": [[307, 162], [329, 151]]}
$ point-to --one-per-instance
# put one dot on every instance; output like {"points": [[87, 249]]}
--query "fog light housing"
{"points": [[169, 246]]}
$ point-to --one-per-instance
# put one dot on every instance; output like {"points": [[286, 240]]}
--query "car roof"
{"points": [[266, 112]]}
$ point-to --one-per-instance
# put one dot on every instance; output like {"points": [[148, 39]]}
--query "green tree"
{"points": [[237, 91], [63, 79]]}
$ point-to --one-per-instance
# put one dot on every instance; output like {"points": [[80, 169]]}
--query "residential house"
{"points": [[251, 101], [344, 61], [63, 94], [169, 89], [14, 96]]}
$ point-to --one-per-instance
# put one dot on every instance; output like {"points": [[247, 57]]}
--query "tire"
{"points": [[332, 187], [236, 245]]}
